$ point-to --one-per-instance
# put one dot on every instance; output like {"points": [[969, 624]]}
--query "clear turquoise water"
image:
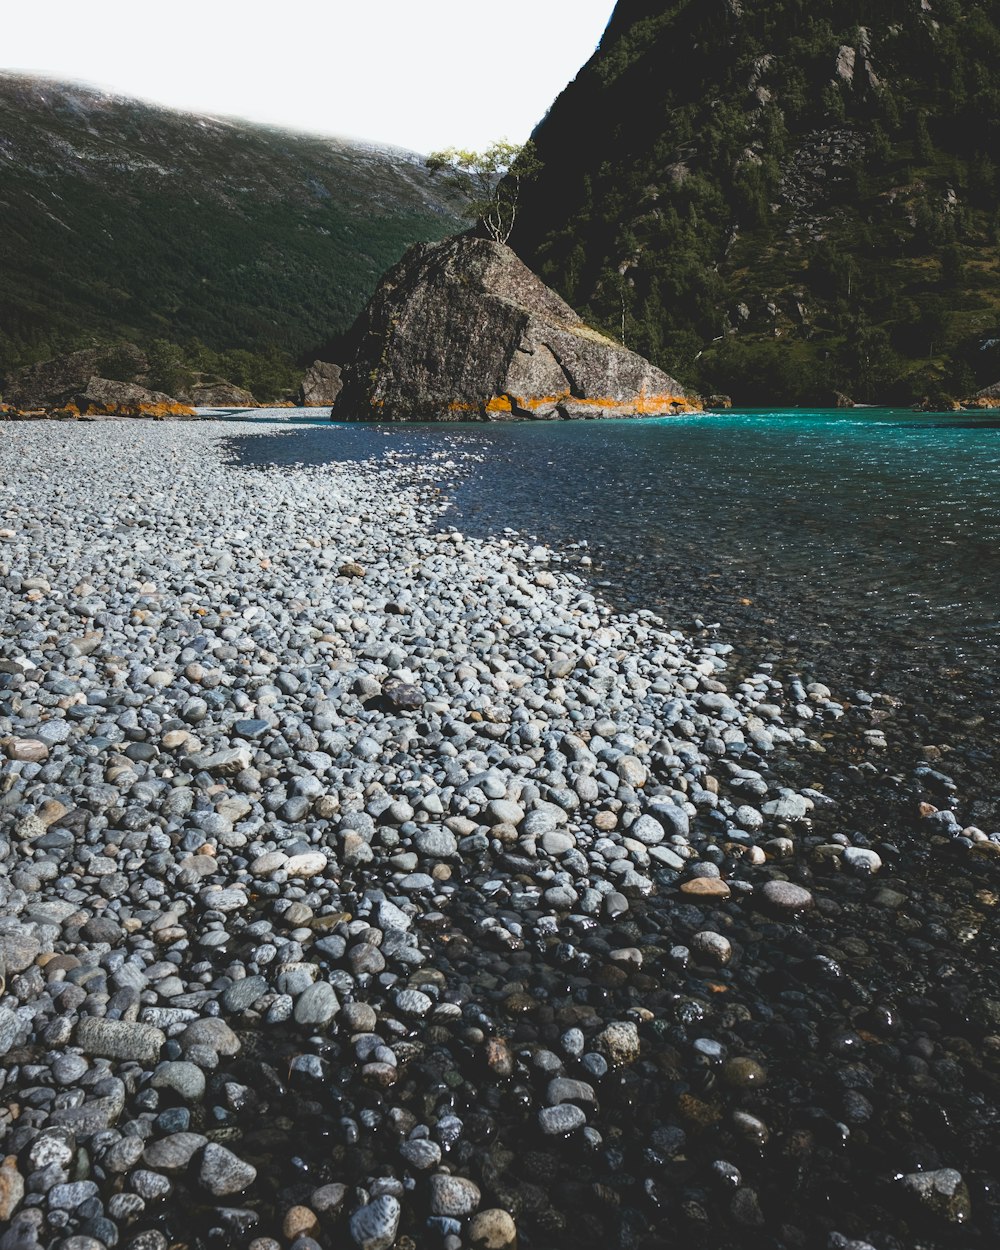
{"points": [[859, 546]]}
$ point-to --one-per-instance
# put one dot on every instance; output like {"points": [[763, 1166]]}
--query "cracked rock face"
{"points": [[321, 385], [463, 330]]}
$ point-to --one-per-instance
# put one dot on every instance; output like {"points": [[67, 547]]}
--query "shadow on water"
{"points": [[862, 549]]}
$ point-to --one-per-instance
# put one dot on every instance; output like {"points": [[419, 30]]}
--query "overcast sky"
{"points": [[423, 74]]}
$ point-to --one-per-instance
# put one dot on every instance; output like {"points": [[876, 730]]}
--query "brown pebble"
{"points": [[27, 750], [11, 1188], [743, 1073], [499, 1057], [605, 821], [706, 887], [493, 1230], [696, 1113], [382, 1075], [328, 1199], [299, 1222]]}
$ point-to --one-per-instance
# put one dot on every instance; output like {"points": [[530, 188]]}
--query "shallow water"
{"points": [[861, 548], [856, 549]]}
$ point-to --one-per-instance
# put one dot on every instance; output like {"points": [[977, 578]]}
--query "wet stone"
{"points": [[786, 896], [560, 1120], [223, 1173], [374, 1226], [943, 1193], [454, 1195]]}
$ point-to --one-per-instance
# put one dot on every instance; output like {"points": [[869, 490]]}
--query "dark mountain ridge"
{"points": [[240, 246], [783, 199]]}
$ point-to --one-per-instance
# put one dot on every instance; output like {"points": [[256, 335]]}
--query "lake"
{"points": [[857, 547]]}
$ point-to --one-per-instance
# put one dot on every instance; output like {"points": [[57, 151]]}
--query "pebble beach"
{"points": [[367, 884]]}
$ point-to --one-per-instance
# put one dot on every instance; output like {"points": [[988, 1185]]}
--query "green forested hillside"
{"points": [[119, 220], [783, 199]]}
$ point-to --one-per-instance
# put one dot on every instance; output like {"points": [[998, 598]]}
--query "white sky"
{"points": [[422, 74]]}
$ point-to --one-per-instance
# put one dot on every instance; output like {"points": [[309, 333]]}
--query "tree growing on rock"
{"points": [[492, 180]]}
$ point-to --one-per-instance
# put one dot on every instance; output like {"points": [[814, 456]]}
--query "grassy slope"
{"points": [[120, 220]]}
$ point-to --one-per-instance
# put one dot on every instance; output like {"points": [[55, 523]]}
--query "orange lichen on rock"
{"points": [[641, 405], [155, 411], [463, 330]]}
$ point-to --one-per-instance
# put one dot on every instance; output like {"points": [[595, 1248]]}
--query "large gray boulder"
{"points": [[104, 397], [321, 385], [57, 382], [463, 330], [214, 393]]}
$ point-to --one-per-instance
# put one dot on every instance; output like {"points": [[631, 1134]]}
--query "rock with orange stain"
{"points": [[706, 887], [463, 330], [105, 398]]}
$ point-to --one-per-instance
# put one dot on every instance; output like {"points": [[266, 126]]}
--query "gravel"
{"points": [[339, 844]]}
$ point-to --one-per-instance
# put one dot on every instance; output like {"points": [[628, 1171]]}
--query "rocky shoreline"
{"points": [[364, 884]]}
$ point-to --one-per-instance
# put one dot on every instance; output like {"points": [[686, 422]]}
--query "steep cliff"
{"points": [[783, 199]]}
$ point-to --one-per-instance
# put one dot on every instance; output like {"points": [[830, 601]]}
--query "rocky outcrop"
{"points": [[987, 398], [105, 398], [463, 330], [321, 385], [212, 393], [58, 382]]}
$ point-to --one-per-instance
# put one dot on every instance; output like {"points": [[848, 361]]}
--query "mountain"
{"points": [[235, 248], [783, 199]]}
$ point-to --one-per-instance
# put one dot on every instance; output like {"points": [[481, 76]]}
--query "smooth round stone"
{"points": [[619, 1042], [299, 1221], [712, 946], [647, 831], [436, 843], [421, 1153], [861, 861], [311, 864], [374, 1226], [212, 1032], [413, 1003], [743, 1073], [708, 1050], [173, 1153], [68, 1197], [632, 771], [537, 823], [560, 1120], [504, 812], [706, 887], [556, 843], [316, 1005], [727, 1174], [150, 1186], [358, 1018], [562, 1089], [492, 1230], [185, 1079], [222, 1173], [944, 1192], [749, 818], [68, 1068], [454, 1196], [786, 896], [573, 1043]]}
